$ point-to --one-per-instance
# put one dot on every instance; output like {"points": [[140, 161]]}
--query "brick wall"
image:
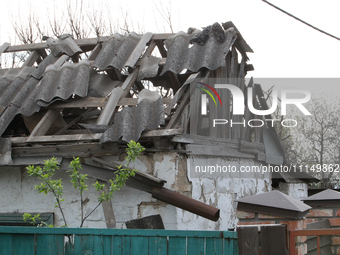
{"points": [[254, 218], [314, 215]]}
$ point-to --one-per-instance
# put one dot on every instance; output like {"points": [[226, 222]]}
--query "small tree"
{"points": [[50, 185]]}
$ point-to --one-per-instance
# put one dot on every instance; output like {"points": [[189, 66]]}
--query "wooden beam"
{"points": [[109, 215], [95, 52], [94, 102], [161, 49], [88, 137], [64, 138], [174, 80], [117, 93], [162, 132], [45, 123], [161, 37], [40, 46], [68, 150], [4, 47], [180, 108], [33, 57], [219, 151]]}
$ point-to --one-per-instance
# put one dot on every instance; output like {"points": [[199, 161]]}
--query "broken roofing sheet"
{"points": [[184, 53], [131, 121], [121, 51], [57, 78]]}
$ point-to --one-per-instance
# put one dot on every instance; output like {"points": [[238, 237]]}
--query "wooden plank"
{"points": [[197, 139], [83, 244], [158, 245], [109, 215], [23, 244], [214, 246], [161, 49], [162, 36], [140, 245], [45, 123], [246, 134], [40, 46], [248, 241], [117, 242], [5, 244], [177, 246], [126, 245], [77, 150], [94, 102], [33, 57], [274, 240], [195, 149], [195, 245], [54, 244], [150, 49], [117, 93], [4, 47], [95, 52], [64, 138], [174, 81], [161, 132], [183, 103]]}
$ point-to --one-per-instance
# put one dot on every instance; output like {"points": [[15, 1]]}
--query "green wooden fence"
{"points": [[53, 241]]}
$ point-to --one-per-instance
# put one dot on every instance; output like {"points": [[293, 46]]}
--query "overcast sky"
{"points": [[283, 47]]}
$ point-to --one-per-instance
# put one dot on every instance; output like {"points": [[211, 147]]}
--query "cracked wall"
{"points": [[221, 191]]}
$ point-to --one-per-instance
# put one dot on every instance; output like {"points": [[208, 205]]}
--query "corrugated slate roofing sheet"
{"points": [[59, 83], [121, 51], [192, 56], [131, 121]]}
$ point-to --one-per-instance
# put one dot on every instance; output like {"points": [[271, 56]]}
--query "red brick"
{"points": [[335, 240], [268, 216], [245, 215], [320, 213], [293, 225], [299, 250], [240, 223], [301, 239], [334, 222], [310, 220]]}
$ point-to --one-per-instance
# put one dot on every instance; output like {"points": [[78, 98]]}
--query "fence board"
{"points": [[139, 246], [177, 246], [23, 244], [214, 246], [52, 243], [5, 244], [248, 241], [158, 246], [83, 244], [126, 242], [274, 240], [117, 245], [195, 246]]}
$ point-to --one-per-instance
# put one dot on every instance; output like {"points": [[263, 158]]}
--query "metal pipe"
{"points": [[186, 203]]}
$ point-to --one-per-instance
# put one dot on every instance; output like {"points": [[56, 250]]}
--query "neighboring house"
{"points": [[86, 98]]}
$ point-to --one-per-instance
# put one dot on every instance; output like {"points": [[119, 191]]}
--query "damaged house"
{"points": [[87, 98]]}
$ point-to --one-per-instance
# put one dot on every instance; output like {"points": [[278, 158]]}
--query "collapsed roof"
{"points": [[87, 98]]}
